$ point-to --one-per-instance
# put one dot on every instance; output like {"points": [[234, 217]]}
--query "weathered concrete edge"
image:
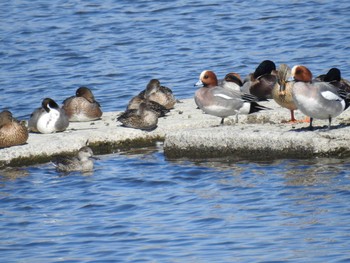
{"points": [[191, 134], [103, 136], [98, 147], [257, 142]]}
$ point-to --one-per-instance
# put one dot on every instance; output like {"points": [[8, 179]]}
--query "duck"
{"points": [[135, 102], [82, 162], [142, 118], [12, 132], [317, 99], [282, 90], [221, 102], [333, 76], [82, 107], [49, 118], [261, 82], [162, 95], [232, 81]]}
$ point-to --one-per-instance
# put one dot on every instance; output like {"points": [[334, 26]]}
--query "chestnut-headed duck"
{"points": [[221, 102], [135, 102], [160, 94], [82, 106], [261, 82], [49, 118], [317, 99], [12, 132], [142, 118], [82, 162], [232, 81]]}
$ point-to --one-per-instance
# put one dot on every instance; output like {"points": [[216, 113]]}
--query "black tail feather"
{"points": [[255, 107]]}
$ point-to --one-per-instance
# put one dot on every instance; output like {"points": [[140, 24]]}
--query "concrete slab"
{"points": [[190, 133], [263, 136]]}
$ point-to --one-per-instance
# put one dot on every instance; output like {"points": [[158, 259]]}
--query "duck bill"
{"points": [[199, 84], [282, 86]]}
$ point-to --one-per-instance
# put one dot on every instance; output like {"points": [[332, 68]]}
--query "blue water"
{"points": [[136, 206]]}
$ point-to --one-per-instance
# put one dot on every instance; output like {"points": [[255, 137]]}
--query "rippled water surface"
{"points": [[136, 206]]}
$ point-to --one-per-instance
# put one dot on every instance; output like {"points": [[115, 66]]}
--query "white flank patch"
{"points": [[343, 104], [328, 95], [245, 109], [223, 96], [47, 121]]}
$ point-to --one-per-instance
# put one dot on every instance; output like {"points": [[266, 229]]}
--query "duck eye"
{"points": [[206, 76]]}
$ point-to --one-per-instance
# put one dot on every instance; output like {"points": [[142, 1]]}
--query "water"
{"points": [[137, 206]]}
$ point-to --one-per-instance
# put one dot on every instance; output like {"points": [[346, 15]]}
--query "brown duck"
{"points": [[12, 132]]}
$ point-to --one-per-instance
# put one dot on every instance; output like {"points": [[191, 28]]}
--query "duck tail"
{"points": [[347, 102], [345, 96], [255, 107]]}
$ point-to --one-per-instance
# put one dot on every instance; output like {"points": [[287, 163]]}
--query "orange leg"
{"points": [[306, 119], [292, 119]]}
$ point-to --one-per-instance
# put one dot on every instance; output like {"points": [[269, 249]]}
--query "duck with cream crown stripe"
{"points": [[317, 99], [221, 102]]}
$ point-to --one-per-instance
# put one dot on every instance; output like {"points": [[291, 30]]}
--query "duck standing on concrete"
{"points": [[261, 82], [317, 99], [160, 94], [82, 106], [282, 91], [12, 132], [49, 118], [221, 102], [82, 162], [142, 118]]}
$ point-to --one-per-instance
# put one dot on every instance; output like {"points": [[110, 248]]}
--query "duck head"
{"points": [[85, 93], [301, 73], [49, 104], [234, 77], [207, 79]]}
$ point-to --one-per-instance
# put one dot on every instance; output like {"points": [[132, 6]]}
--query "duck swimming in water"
{"points": [[82, 162]]}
